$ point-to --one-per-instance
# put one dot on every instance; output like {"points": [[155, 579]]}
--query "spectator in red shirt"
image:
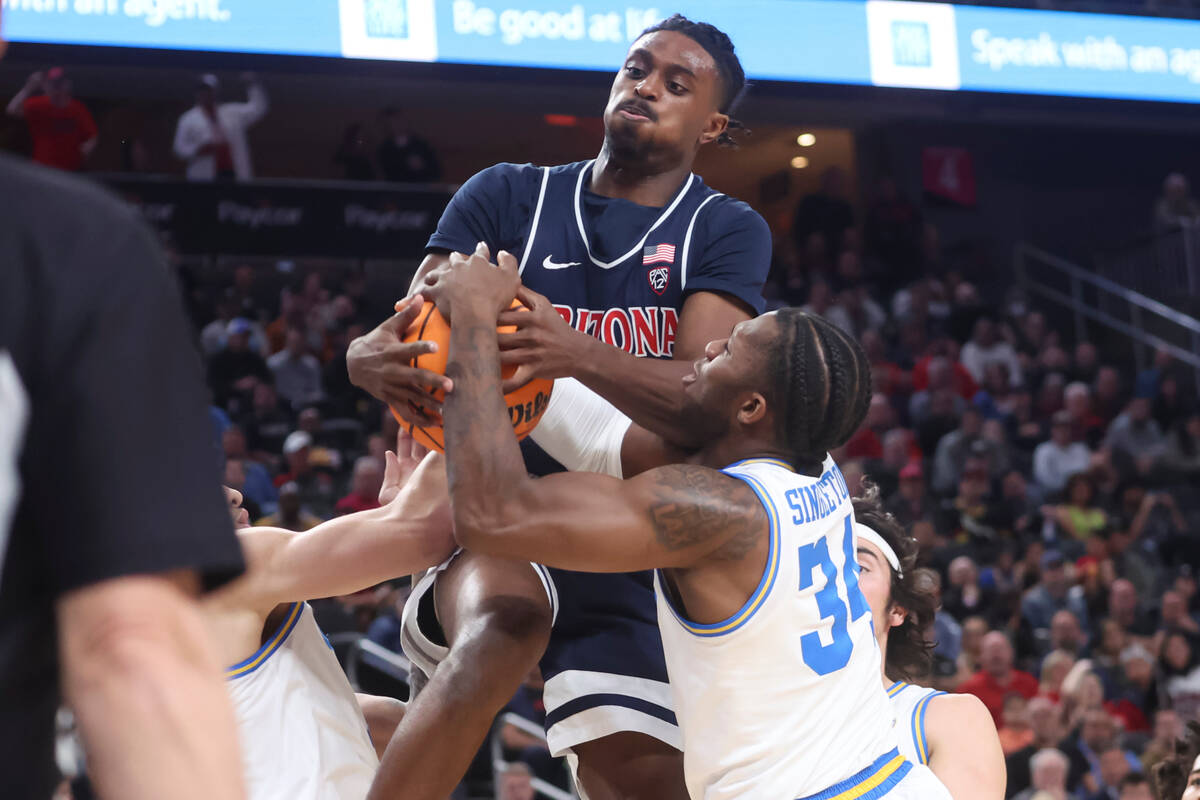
{"points": [[62, 128], [998, 679], [364, 487]]}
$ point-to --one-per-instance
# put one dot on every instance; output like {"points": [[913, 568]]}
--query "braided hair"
{"points": [[821, 382], [718, 45], [909, 655]]}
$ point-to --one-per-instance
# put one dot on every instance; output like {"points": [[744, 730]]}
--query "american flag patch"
{"points": [[659, 254]]}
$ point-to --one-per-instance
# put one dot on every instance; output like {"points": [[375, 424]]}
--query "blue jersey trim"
{"points": [[920, 740], [579, 704], [731, 624], [268, 649], [775, 462], [896, 688], [871, 783]]}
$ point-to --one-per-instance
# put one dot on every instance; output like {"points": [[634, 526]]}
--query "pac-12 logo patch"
{"points": [[659, 278]]}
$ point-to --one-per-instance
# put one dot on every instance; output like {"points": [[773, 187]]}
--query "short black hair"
{"points": [[909, 655], [718, 45], [820, 386]]}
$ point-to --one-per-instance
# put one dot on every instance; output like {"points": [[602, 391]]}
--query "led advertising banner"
{"points": [[877, 42]]}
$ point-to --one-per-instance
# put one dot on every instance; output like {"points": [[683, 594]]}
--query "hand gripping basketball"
{"points": [[525, 405]]}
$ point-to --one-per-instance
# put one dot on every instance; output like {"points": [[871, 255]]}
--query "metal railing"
{"points": [[1165, 266], [1092, 298], [499, 765]]}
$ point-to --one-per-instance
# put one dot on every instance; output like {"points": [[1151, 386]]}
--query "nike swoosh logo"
{"points": [[548, 264]]}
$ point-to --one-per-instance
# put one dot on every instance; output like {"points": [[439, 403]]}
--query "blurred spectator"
{"points": [[1016, 733], [973, 631], [1051, 594], [1180, 671], [215, 333], [1066, 635], [1055, 667], [1086, 362], [515, 782], [1174, 616], [1097, 739], [986, 347], [1079, 516], [947, 633], [235, 478], [896, 451], [1176, 208], [966, 442], [1086, 426], [866, 441], [964, 597], [887, 377], [1060, 458], [237, 369], [1134, 786], [892, 234], [1168, 728], [61, 127], [1182, 458], [257, 486], [1134, 698], [403, 156], [211, 136], [826, 212], [1046, 721], [291, 514], [297, 372], [995, 398], [820, 298], [1048, 776], [365, 482], [958, 381], [997, 677], [1123, 606], [1114, 768], [353, 155], [855, 311], [911, 502], [1108, 398], [267, 423], [310, 470], [1136, 437]]}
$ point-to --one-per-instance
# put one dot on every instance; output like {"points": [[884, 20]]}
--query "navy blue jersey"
{"points": [[612, 268], [620, 272]]}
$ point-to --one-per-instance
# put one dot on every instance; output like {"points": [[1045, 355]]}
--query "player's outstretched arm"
{"points": [[350, 553], [672, 516], [965, 752]]}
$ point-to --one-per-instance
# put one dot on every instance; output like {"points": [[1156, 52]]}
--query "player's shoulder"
{"points": [[960, 709], [725, 213], [515, 175]]}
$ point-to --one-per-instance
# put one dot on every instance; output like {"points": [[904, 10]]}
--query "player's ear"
{"points": [[714, 127], [752, 409], [896, 615]]}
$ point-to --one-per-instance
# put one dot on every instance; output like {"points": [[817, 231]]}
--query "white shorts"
{"points": [[418, 642]]}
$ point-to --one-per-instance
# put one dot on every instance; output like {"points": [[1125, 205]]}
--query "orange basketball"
{"points": [[525, 405]]}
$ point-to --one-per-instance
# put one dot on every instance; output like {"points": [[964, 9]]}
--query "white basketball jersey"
{"points": [[909, 703], [783, 699], [302, 733]]}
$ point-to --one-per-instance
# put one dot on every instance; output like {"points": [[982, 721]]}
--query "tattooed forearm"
{"points": [[695, 504]]}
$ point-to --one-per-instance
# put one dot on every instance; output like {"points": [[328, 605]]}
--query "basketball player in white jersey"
{"points": [[773, 667], [951, 733], [303, 734]]}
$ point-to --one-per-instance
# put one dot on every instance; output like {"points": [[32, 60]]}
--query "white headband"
{"points": [[863, 532]]}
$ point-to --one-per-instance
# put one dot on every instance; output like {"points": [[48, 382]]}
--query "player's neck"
{"points": [[642, 182], [725, 451]]}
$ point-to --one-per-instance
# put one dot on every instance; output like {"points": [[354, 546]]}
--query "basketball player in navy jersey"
{"points": [[637, 264], [774, 669]]}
